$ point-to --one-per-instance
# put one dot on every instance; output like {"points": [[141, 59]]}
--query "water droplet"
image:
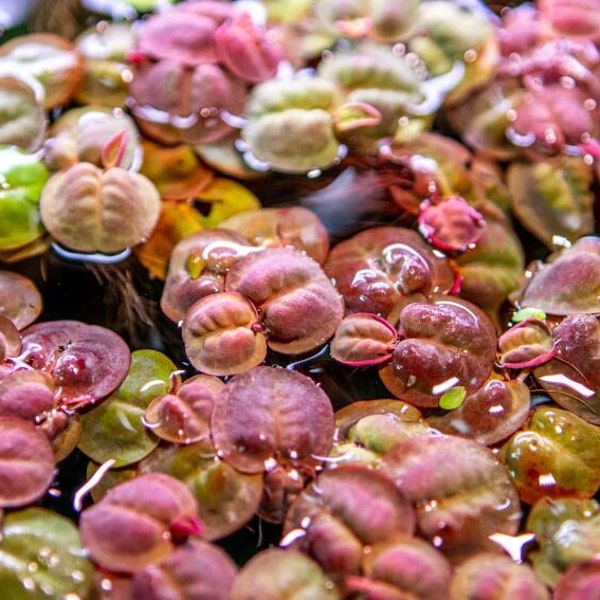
{"points": [[77, 575], [399, 49], [106, 585], [32, 567], [437, 541], [567, 82]]}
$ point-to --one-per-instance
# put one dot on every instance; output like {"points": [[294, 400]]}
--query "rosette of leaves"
{"points": [[458, 341], [272, 413], [139, 522], [538, 116], [382, 268], [91, 209], [450, 34], [342, 511], [86, 362], [554, 456], [461, 491], [23, 177], [293, 124], [373, 76], [276, 297], [81, 135], [194, 63], [375, 19]]}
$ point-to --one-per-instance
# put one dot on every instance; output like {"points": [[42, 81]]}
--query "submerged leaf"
{"points": [[42, 556], [550, 199]]}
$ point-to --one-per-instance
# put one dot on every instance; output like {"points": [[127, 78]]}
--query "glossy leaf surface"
{"points": [[379, 267], [460, 505], [556, 455], [117, 428], [299, 306], [442, 343], [87, 362]]}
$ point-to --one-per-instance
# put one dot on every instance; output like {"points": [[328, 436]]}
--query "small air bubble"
{"points": [[567, 82], [470, 55]]}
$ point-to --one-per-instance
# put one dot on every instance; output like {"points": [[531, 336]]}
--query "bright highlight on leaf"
{"points": [[528, 313], [453, 398]]}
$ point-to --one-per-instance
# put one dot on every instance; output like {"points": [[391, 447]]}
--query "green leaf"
{"points": [[453, 397], [115, 428], [528, 313], [41, 556]]}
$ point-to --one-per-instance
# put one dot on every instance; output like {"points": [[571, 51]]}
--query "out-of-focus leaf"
{"points": [[41, 556], [552, 199]]}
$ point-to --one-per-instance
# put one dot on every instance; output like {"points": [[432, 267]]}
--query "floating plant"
{"points": [[355, 345]]}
